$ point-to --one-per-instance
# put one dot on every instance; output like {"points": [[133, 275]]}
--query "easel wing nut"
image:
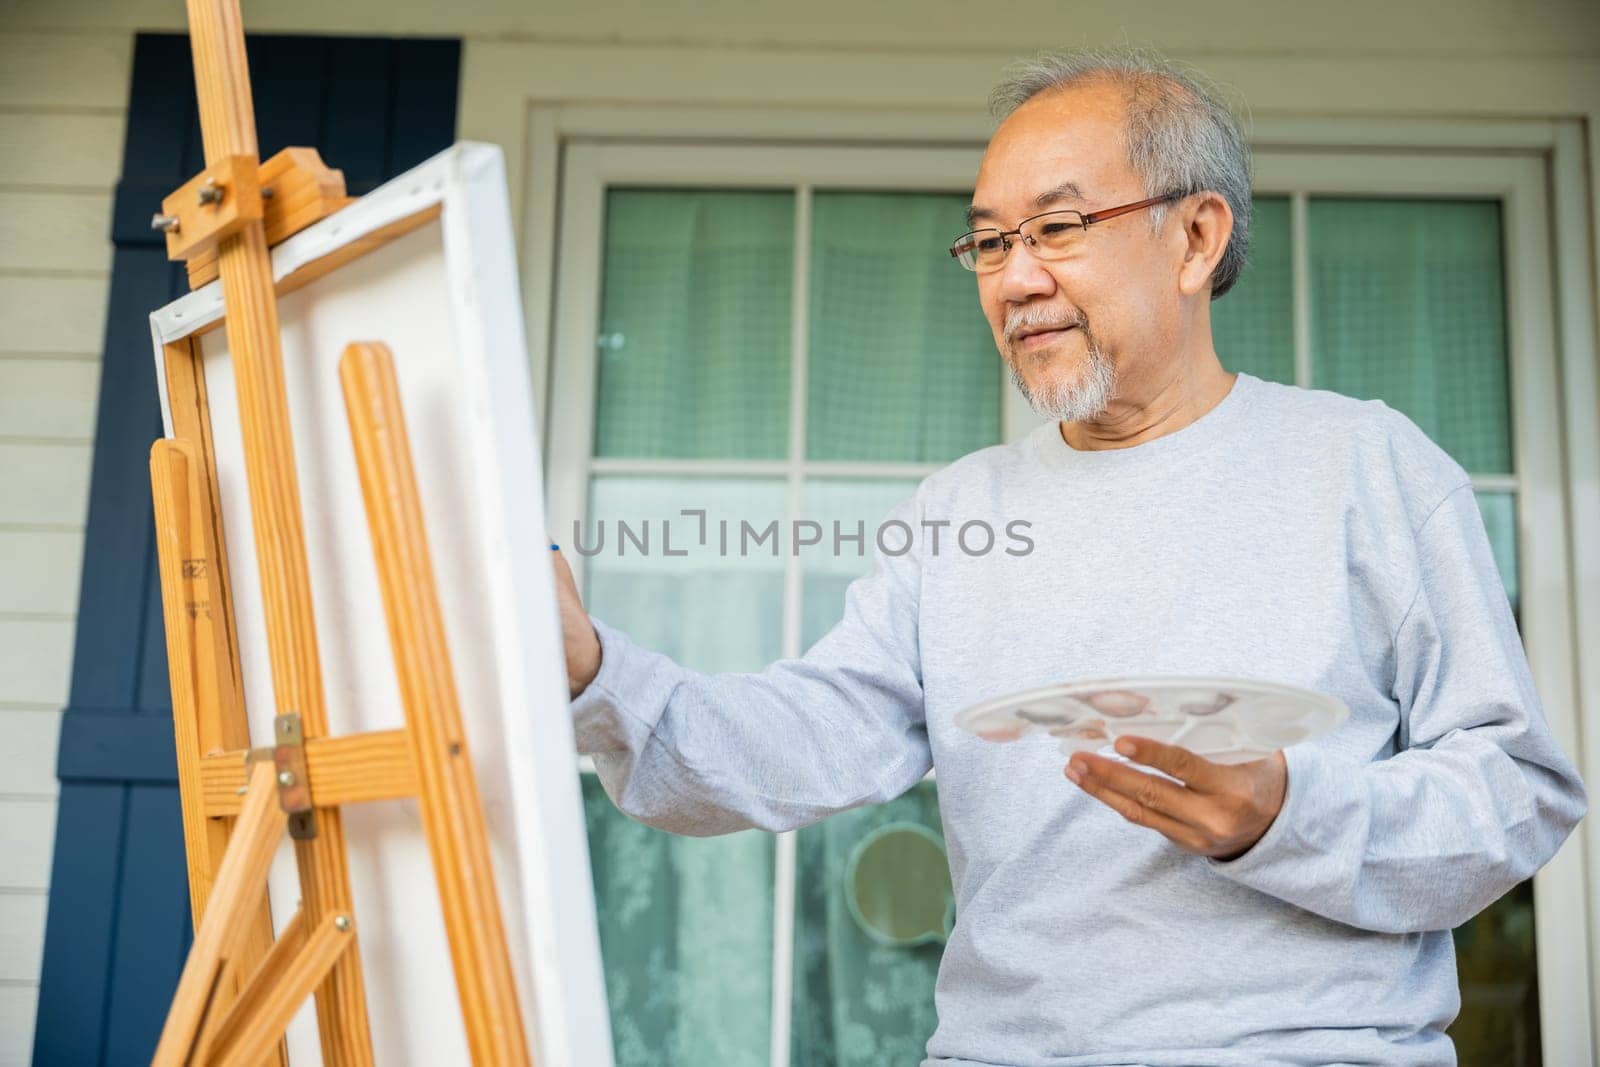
{"points": [[216, 203]]}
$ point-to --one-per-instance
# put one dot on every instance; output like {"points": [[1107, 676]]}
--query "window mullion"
{"points": [[1300, 257], [783, 874]]}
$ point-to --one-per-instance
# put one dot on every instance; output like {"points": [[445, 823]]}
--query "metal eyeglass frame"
{"points": [[1085, 221]]}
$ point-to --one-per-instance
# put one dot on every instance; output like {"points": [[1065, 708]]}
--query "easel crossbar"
{"points": [[344, 770]]}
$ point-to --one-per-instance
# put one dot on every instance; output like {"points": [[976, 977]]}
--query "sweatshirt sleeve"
{"points": [[703, 754], [1480, 795]]}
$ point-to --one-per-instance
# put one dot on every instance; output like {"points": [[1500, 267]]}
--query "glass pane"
{"points": [[857, 1003], [1408, 306], [1500, 522], [1499, 1021], [708, 609], [901, 365], [826, 572], [694, 324], [1252, 325], [685, 938]]}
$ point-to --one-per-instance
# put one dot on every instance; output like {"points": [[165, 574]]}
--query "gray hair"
{"points": [[1182, 134]]}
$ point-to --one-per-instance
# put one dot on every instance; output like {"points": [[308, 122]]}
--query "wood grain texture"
{"points": [[208, 712], [452, 809], [224, 929], [201, 225], [286, 978], [344, 770], [186, 611], [190, 409], [227, 125], [303, 189]]}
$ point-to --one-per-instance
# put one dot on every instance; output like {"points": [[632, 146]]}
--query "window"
{"points": [[772, 333]]}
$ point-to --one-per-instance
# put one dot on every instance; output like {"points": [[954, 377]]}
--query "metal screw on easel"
{"points": [[342, 923], [286, 778], [210, 192], [164, 223]]}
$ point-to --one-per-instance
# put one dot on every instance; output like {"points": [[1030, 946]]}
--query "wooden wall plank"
{"points": [[28, 757], [43, 483], [21, 935], [76, 150], [49, 397], [27, 834], [18, 1005], [36, 662], [55, 231], [39, 574], [54, 314], [63, 70]]}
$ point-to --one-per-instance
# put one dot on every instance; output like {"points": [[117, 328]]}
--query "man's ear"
{"points": [[1207, 225]]}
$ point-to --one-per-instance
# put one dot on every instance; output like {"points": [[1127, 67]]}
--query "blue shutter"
{"points": [[118, 925]]}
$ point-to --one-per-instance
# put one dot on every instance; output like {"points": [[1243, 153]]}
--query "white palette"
{"points": [[1226, 720]]}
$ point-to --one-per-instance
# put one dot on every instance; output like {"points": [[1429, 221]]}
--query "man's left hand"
{"points": [[1220, 810]]}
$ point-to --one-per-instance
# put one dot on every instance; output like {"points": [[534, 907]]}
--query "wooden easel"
{"points": [[239, 987]]}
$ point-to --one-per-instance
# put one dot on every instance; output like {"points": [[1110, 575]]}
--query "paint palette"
{"points": [[1226, 720]]}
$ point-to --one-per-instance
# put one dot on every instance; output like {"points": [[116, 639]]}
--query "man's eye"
{"points": [[1054, 229], [987, 244]]}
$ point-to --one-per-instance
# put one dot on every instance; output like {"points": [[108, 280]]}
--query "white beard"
{"points": [[1084, 398]]}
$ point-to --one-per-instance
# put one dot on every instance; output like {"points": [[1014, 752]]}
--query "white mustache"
{"points": [[1036, 319]]}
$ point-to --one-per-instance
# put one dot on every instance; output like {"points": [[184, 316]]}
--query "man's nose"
{"points": [[1022, 276]]}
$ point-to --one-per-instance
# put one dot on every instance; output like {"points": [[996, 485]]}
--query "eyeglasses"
{"points": [[1049, 236]]}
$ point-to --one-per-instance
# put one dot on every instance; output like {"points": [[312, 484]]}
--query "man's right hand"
{"points": [[581, 643]]}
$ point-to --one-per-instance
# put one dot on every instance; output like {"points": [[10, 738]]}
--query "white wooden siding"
{"points": [[64, 101]]}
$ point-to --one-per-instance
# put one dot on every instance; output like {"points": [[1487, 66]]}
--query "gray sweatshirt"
{"points": [[1289, 535]]}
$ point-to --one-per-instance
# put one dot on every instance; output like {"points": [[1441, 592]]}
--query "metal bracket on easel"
{"points": [[288, 756]]}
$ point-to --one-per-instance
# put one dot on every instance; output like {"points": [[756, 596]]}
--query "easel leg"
{"points": [[223, 86], [452, 811], [244, 870], [202, 698]]}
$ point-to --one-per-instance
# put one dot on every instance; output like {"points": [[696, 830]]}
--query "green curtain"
{"points": [[685, 938], [685, 923], [694, 324], [1252, 325], [857, 1003], [1408, 306], [707, 611], [901, 364]]}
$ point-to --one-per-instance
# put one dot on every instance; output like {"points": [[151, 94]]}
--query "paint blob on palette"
{"points": [[1226, 720]]}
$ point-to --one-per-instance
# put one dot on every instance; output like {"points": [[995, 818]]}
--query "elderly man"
{"points": [[1186, 521]]}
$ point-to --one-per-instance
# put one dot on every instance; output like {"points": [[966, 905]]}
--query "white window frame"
{"points": [[1547, 339]]}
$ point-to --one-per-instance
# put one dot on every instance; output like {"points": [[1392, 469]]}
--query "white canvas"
{"points": [[444, 299]]}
